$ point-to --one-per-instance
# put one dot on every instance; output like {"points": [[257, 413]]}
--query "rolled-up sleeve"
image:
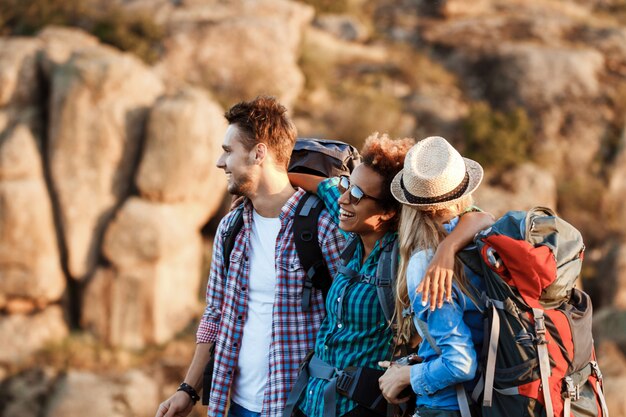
{"points": [[210, 321]]}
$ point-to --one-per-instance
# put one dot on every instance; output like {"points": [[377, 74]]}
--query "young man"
{"points": [[254, 315]]}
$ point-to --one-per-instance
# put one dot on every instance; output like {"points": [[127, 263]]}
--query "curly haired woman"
{"points": [[355, 333]]}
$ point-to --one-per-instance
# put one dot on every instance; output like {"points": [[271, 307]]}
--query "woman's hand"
{"points": [[437, 281], [393, 381]]}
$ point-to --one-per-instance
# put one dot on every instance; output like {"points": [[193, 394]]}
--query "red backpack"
{"points": [[538, 357]]}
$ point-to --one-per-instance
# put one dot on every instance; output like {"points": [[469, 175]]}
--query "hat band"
{"points": [[457, 192]]}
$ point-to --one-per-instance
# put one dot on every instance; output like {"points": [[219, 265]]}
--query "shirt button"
{"points": [[325, 347], [340, 325], [311, 392], [235, 344], [239, 317], [229, 372], [338, 299], [243, 288]]}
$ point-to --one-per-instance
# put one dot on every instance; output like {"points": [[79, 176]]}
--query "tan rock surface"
{"points": [[535, 75], [183, 142], [613, 274], [25, 394], [58, 44], [29, 256], [520, 188], [87, 394], [99, 104], [614, 198], [150, 293], [18, 71], [29, 333], [238, 50]]}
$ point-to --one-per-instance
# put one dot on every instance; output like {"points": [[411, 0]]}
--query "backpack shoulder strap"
{"points": [[386, 272], [349, 249], [230, 235], [307, 246]]}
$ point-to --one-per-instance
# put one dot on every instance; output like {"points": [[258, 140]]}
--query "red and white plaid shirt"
{"points": [[293, 331]]}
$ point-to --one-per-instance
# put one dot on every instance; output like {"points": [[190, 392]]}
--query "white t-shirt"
{"points": [[253, 363]]}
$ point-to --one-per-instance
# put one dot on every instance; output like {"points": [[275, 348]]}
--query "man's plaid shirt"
{"points": [[293, 331]]}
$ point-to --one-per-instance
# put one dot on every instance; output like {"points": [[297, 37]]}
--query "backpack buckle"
{"points": [[383, 282], [540, 330], [595, 369], [344, 381], [308, 284], [572, 391]]}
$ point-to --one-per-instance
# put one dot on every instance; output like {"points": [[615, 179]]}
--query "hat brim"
{"points": [[474, 171]]}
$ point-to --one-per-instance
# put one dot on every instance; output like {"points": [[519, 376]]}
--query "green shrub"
{"points": [[135, 33], [496, 139]]}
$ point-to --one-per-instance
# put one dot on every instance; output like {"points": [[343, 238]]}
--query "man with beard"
{"points": [[254, 317]]}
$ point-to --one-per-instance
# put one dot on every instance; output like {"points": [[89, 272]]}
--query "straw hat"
{"points": [[435, 175]]}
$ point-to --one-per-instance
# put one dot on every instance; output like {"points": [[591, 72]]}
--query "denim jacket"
{"points": [[457, 330]]}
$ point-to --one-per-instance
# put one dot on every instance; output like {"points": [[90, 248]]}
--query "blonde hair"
{"points": [[422, 230]]}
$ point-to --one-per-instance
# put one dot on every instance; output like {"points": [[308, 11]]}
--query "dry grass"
{"points": [[136, 33]]}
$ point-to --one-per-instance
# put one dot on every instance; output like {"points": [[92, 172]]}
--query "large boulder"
{"points": [[614, 199], [150, 292], [533, 75], [25, 394], [18, 71], [611, 41], [99, 104], [182, 145], [30, 265], [25, 334], [82, 393], [58, 44], [520, 188], [613, 275], [239, 51]]}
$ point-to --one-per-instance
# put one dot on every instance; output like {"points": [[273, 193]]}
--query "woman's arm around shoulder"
{"points": [[438, 278]]}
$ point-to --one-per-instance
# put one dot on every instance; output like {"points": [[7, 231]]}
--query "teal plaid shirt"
{"points": [[362, 336]]}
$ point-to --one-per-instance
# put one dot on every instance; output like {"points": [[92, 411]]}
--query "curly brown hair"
{"points": [[265, 120], [386, 157]]}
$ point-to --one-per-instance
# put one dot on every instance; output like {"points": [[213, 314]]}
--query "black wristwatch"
{"points": [[190, 391]]}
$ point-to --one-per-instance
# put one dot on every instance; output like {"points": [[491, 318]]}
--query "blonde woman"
{"points": [[435, 189]]}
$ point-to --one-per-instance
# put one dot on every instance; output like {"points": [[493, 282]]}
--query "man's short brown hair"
{"points": [[265, 120]]}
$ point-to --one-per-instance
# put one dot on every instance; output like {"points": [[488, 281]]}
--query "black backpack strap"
{"points": [[307, 246], [230, 235], [349, 249], [386, 272]]}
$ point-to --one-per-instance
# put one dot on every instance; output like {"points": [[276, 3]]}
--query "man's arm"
{"points": [[438, 278], [180, 403]]}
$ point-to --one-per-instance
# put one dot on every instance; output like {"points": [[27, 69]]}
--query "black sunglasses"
{"points": [[356, 194]]}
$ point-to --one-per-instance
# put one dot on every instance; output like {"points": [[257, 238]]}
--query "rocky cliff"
{"points": [[107, 157]]}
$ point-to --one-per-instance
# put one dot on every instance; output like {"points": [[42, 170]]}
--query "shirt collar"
{"points": [[289, 208], [287, 211]]}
